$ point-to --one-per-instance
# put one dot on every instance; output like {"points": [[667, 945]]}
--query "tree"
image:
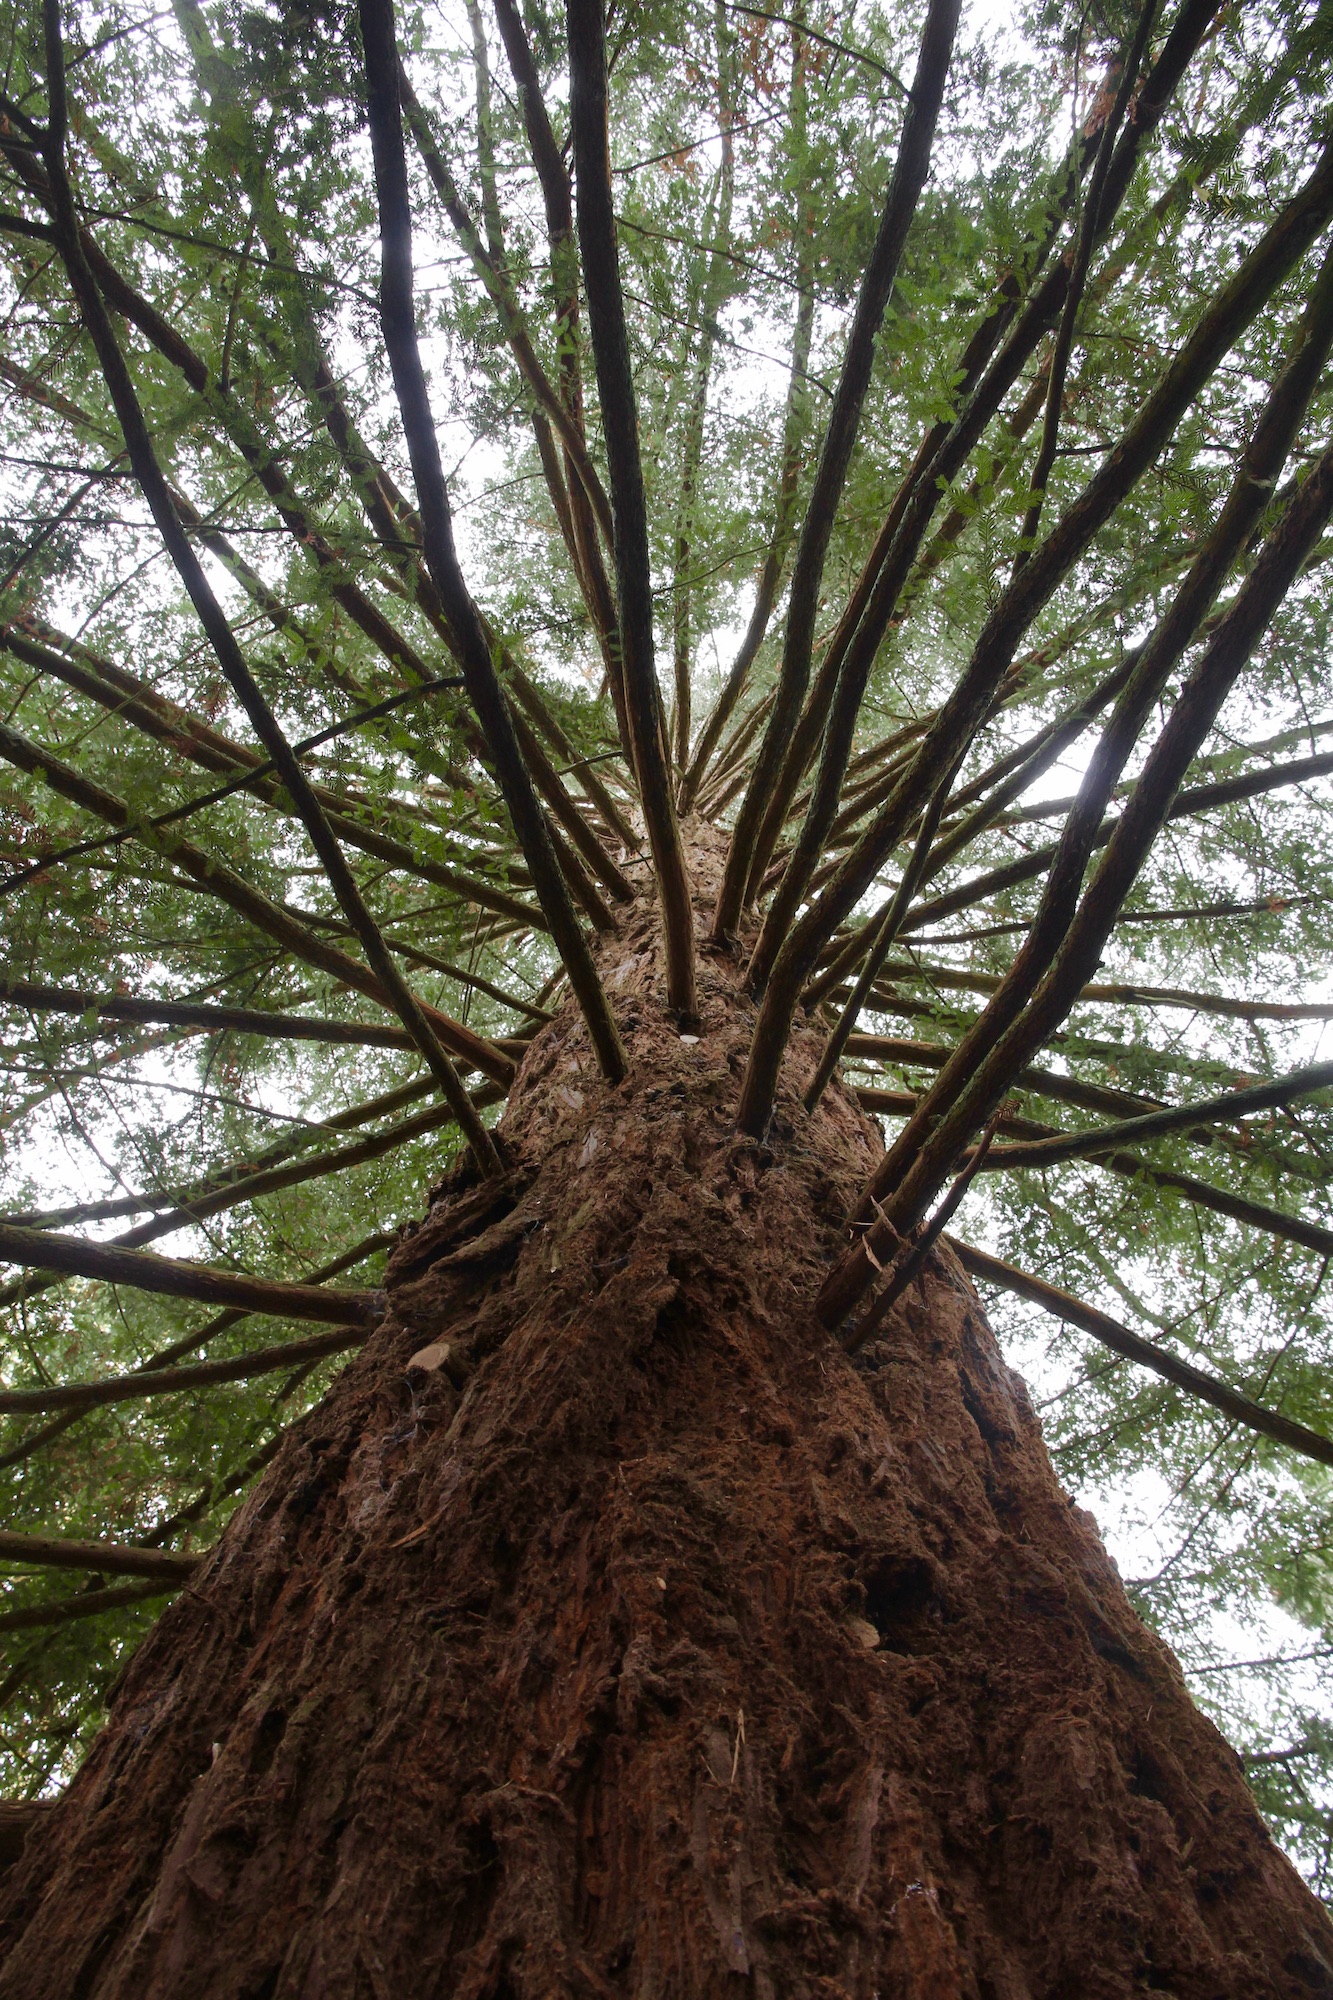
{"points": [[881, 434]]}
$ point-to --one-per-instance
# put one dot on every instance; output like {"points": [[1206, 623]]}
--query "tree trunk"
{"points": [[630, 1640]]}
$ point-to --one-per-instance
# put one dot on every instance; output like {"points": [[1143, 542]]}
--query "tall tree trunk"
{"points": [[631, 1640]]}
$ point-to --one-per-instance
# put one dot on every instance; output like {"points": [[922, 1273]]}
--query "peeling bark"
{"points": [[607, 1631]]}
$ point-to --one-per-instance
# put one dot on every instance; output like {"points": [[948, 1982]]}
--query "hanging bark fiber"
{"points": [[607, 1631]]}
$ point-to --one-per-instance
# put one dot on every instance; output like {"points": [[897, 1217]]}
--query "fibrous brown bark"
{"points": [[607, 1631]]}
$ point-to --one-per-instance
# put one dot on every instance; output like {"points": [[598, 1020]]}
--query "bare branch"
{"points": [[1223, 1109], [634, 600], [474, 652], [101, 1558], [900, 203], [168, 1381], [1121, 1341], [44, 1250]]}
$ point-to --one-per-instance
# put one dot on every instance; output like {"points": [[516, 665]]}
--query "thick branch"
{"points": [[745, 861], [620, 425], [102, 1558], [474, 652], [85, 1604], [198, 1014], [44, 1250]]}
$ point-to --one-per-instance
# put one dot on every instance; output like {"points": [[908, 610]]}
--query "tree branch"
{"points": [[188, 1344], [1268, 1423], [85, 1604], [1223, 1109], [133, 702], [474, 653], [940, 458], [634, 600], [101, 1558], [272, 918], [965, 1093], [886, 929], [745, 860], [557, 202], [491, 271], [209, 1019], [1187, 804], [1232, 310], [1088, 232], [1203, 1194], [982, 385], [168, 1381], [211, 616], [44, 1250]]}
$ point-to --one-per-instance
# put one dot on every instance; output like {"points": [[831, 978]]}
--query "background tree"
{"points": [[830, 498]]}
